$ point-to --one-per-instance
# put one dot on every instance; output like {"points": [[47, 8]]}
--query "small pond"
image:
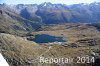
{"points": [[44, 38]]}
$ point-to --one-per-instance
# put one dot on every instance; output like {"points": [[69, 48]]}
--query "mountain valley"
{"points": [[30, 31]]}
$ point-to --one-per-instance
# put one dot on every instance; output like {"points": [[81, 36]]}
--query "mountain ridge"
{"points": [[50, 13]]}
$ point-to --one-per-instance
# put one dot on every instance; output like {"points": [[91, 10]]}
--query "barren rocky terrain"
{"points": [[80, 40]]}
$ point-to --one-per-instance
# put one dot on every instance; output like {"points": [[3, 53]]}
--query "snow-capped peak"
{"points": [[45, 4]]}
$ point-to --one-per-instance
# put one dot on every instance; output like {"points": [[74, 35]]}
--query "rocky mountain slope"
{"points": [[11, 22]]}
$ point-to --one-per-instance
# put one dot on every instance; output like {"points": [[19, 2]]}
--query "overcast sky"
{"points": [[68, 2]]}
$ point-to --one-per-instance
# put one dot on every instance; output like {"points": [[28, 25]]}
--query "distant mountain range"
{"points": [[49, 13], [30, 17]]}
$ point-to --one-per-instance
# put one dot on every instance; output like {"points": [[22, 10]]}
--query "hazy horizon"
{"points": [[52, 1]]}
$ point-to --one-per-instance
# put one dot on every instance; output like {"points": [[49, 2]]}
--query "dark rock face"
{"points": [[0, 11]]}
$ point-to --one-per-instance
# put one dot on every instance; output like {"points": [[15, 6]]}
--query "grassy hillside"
{"points": [[21, 52]]}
